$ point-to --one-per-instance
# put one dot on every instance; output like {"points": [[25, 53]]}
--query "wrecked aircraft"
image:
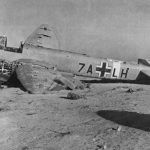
{"points": [[42, 66]]}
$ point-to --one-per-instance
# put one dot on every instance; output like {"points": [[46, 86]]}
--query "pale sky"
{"points": [[117, 29]]}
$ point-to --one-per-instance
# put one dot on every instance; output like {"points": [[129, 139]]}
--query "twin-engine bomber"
{"points": [[41, 66]]}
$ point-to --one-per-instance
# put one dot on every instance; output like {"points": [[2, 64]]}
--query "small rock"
{"points": [[4, 108], [139, 89], [30, 113], [94, 140], [105, 146], [116, 147], [74, 96], [25, 148], [130, 90], [119, 128], [101, 147]]}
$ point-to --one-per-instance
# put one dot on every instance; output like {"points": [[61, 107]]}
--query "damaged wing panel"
{"points": [[38, 77]]}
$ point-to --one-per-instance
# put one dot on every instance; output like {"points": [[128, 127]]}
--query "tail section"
{"points": [[43, 36], [144, 74], [145, 62]]}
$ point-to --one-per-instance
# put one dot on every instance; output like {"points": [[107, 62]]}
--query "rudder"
{"points": [[43, 36]]}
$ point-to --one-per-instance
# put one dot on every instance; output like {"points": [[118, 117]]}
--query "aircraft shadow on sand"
{"points": [[129, 119], [145, 82], [14, 82]]}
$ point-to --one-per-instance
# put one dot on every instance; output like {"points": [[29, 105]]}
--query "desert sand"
{"points": [[111, 116]]}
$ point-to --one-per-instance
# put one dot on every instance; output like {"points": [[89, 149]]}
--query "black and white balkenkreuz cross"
{"points": [[103, 69]]}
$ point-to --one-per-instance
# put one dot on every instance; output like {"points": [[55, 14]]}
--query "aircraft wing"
{"points": [[40, 77], [43, 36]]}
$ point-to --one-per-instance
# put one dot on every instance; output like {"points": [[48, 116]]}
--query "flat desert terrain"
{"points": [[108, 116]]}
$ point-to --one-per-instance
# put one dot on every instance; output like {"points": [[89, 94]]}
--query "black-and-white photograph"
{"points": [[74, 75]]}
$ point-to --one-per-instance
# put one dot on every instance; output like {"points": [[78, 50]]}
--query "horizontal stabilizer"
{"points": [[146, 72], [145, 62], [144, 76]]}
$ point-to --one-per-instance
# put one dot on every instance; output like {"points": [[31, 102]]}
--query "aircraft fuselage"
{"points": [[83, 65]]}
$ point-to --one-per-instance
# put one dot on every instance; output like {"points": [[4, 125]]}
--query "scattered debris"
{"points": [[31, 113], [3, 86], [74, 96], [65, 133], [11, 100], [4, 108], [101, 147], [30, 102], [119, 128], [87, 85], [94, 139], [128, 98], [127, 89], [105, 146], [139, 89], [116, 147], [61, 133], [120, 87], [130, 90], [24, 148]]}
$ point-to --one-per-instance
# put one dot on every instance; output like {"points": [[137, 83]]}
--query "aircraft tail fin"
{"points": [[145, 62], [43, 36]]}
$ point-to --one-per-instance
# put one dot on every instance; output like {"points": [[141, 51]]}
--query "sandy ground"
{"points": [[107, 117]]}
